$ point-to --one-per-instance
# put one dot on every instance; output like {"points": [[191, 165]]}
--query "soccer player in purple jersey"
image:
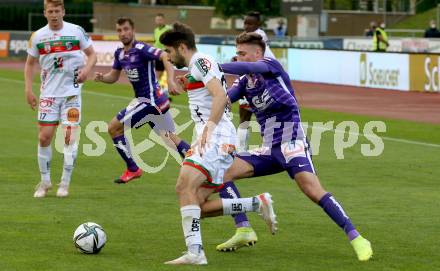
{"points": [[150, 105], [251, 24], [267, 87]]}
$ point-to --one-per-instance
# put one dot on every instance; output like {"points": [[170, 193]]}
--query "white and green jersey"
{"points": [[61, 57], [202, 69]]}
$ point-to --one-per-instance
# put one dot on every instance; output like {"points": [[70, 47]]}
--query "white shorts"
{"points": [[216, 159], [52, 110]]}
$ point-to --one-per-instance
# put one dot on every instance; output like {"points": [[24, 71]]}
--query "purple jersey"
{"points": [[138, 64], [266, 86]]}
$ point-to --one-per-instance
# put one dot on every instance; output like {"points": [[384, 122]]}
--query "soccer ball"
{"points": [[89, 238]]}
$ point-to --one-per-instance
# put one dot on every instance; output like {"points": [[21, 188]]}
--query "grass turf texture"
{"points": [[392, 199], [419, 21]]}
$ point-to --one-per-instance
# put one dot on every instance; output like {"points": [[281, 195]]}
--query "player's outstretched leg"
{"points": [[116, 131], [310, 185], [261, 204], [244, 235]]}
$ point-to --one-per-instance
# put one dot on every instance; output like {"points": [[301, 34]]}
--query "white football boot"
{"points": [[41, 189], [266, 211], [190, 258], [63, 190]]}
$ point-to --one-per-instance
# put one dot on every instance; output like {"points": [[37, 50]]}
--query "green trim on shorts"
{"points": [[200, 165]]}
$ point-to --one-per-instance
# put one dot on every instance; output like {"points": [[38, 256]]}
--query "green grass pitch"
{"points": [[393, 200]]}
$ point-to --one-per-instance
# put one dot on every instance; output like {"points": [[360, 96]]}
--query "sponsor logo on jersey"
{"points": [[73, 115], [58, 63], [263, 101], [46, 102], [203, 65], [293, 149], [139, 46], [47, 47], [58, 46], [69, 45], [132, 74]]}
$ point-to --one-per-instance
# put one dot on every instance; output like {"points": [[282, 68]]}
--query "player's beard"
{"points": [[127, 42], [179, 61]]}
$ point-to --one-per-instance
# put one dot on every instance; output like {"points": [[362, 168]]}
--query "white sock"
{"points": [[240, 205], [243, 138], [44, 158], [70, 152], [191, 227]]}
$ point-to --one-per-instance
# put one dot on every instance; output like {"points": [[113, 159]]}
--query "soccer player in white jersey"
{"points": [[252, 23], [59, 47], [211, 154]]}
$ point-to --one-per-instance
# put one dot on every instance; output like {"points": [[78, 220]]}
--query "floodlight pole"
{"points": [[438, 14], [385, 12]]}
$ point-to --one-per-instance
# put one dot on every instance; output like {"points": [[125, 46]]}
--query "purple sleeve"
{"points": [[241, 68], [116, 63], [235, 92], [151, 53]]}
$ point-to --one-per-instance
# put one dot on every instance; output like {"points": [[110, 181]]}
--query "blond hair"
{"points": [[55, 3]]}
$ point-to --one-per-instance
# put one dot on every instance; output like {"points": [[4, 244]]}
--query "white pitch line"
{"points": [[399, 140], [88, 92]]}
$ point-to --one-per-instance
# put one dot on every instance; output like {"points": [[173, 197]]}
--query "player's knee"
{"points": [[114, 130], [44, 139]]}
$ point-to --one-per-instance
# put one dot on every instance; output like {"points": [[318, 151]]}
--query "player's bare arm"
{"points": [[109, 78], [219, 101], [91, 61], [173, 88], [28, 80]]}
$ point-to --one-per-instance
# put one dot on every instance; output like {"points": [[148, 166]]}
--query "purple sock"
{"points": [[182, 148], [230, 191], [336, 213], [123, 150]]}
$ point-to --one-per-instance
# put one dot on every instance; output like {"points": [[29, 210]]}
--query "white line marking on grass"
{"points": [[88, 92], [400, 140]]}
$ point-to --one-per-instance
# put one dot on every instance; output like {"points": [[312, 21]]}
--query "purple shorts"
{"points": [[138, 113], [293, 157]]}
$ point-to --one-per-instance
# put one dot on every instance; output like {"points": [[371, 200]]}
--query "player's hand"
{"points": [[183, 81], [82, 76], [173, 88], [203, 142], [31, 99], [99, 76]]}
